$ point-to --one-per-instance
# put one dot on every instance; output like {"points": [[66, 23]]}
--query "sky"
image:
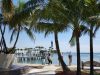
{"points": [[25, 42]]}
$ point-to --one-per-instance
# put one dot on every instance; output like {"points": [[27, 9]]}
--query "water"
{"points": [[84, 57]]}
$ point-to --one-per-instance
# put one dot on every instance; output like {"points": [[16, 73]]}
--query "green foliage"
{"points": [[7, 6], [29, 33], [7, 9], [50, 18], [16, 18], [12, 34]]}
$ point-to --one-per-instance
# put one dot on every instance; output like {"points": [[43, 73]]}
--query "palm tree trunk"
{"points": [[17, 37], [13, 49], [1, 45], [91, 51], [78, 55], [3, 39], [64, 66]]}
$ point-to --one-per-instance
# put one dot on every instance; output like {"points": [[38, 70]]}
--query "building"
{"points": [[30, 54]]}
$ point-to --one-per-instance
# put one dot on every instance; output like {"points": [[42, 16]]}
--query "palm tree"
{"points": [[2, 30], [78, 12], [52, 20], [50, 28], [7, 9], [92, 26], [16, 18], [64, 66], [74, 9]]}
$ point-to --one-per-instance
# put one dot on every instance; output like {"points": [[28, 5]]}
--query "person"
{"points": [[62, 58], [43, 58], [70, 58], [82, 65], [49, 59]]}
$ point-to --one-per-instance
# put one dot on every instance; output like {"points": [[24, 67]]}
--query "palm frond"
{"points": [[96, 29], [34, 2], [47, 33], [83, 29], [29, 33], [54, 11], [42, 26], [20, 7], [12, 34], [24, 11], [7, 6], [73, 39], [23, 15], [7, 9]]}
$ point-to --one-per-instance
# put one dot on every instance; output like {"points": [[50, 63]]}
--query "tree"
{"points": [[77, 33], [16, 19], [64, 66], [74, 10], [92, 25], [49, 28], [51, 20]]}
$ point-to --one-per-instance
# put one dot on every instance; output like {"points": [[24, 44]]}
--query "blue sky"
{"points": [[25, 42]]}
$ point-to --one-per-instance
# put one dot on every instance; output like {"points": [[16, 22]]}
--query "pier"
{"points": [[30, 55]]}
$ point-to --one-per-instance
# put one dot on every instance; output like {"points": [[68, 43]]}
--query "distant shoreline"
{"points": [[81, 52]]}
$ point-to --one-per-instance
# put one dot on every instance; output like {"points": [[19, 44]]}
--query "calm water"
{"points": [[84, 57]]}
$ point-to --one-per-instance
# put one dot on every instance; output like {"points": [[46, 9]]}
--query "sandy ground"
{"points": [[47, 69], [38, 69]]}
